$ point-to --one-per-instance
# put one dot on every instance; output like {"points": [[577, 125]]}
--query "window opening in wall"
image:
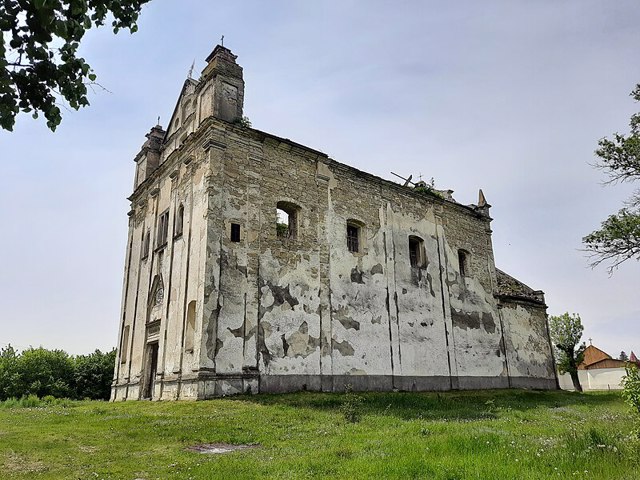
{"points": [[353, 237], [235, 232], [145, 244], [191, 326], [179, 221], [416, 252], [123, 344], [286, 220], [463, 262], [163, 229]]}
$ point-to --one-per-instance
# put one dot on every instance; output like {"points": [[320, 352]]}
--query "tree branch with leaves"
{"points": [[39, 62], [618, 238]]}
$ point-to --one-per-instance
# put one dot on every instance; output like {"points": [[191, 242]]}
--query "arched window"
{"points": [[191, 327], [287, 219], [186, 109], [463, 262], [124, 343], [179, 222], [163, 229], [417, 256]]}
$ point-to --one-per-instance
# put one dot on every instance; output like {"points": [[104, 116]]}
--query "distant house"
{"points": [[634, 359], [596, 359], [598, 371]]}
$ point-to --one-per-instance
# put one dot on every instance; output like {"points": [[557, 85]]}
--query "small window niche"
{"points": [[179, 224], [417, 256], [354, 236], [235, 232], [287, 220], [463, 262], [146, 242], [163, 229], [123, 344], [190, 327]]}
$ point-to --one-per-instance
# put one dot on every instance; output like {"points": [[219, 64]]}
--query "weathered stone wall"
{"points": [[158, 287], [229, 305], [527, 346], [305, 312], [285, 313]]}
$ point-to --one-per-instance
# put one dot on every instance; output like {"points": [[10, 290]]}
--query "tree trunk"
{"points": [[576, 381]]}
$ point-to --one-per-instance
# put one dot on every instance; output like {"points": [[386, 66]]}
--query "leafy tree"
{"points": [[623, 356], [619, 236], [8, 372], [39, 62], [566, 331], [42, 372], [631, 387], [93, 374], [45, 372]]}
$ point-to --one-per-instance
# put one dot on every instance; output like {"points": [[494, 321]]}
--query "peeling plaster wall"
{"points": [[280, 313], [526, 343]]}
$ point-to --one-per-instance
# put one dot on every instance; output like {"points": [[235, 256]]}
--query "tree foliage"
{"points": [[623, 356], [631, 387], [42, 372], [566, 332], [39, 62], [93, 374], [618, 238]]}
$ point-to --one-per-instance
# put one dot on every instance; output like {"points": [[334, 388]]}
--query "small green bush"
{"points": [[350, 406], [631, 387]]}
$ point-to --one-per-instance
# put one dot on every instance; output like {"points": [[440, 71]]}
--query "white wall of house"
{"points": [[597, 379]]}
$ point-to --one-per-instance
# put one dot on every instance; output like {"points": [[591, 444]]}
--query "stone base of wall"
{"points": [[208, 385]]}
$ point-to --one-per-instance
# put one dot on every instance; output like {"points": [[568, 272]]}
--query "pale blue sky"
{"points": [[509, 96]]}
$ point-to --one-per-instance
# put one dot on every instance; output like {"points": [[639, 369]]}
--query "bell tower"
{"points": [[225, 75]]}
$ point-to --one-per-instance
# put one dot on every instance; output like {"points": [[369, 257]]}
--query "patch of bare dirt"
{"points": [[15, 463], [217, 448]]}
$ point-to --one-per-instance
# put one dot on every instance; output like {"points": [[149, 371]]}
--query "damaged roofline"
{"points": [[262, 135], [520, 299]]}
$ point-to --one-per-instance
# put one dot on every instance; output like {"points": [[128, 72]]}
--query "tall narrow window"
{"points": [[287, 220], [163, 229], [146, 240], [353, 237], [123, 344], [416, 252], [235, 232], [191, 327], [463, 262], [179, 221]]}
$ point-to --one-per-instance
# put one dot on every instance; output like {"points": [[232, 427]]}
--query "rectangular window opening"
{"points": [[462, 262], [353, 238], [415, 252], [235, 232]]}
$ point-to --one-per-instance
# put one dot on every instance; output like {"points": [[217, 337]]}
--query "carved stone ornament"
{"points": [[159, 295]]}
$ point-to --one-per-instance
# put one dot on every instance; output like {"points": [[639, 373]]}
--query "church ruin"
{"points": [[255, 264]]}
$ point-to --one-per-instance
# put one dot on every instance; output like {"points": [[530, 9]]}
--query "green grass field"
{"points": [[454, 435]]}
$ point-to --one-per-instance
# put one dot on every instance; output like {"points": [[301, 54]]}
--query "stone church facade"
{"points": [[255, 264]]}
